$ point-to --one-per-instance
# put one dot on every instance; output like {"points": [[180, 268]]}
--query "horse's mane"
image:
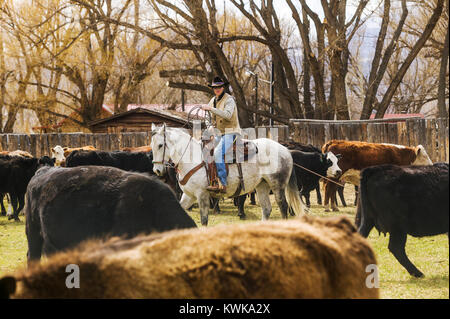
{"points": [[183, 132]]}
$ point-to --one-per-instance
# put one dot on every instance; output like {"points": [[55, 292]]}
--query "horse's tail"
{"points": [[293, 195]]}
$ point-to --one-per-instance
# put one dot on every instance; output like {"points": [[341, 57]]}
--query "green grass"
{"points": [[13, 245], [429, 254]]}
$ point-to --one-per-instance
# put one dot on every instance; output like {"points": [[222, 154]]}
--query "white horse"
{"points": [[270, 170]]}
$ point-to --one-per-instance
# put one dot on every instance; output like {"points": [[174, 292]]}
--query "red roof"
{"points": [[178, 108], [398, 115]]}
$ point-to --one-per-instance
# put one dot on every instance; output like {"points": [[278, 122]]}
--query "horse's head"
{"points": [[159, 147]]}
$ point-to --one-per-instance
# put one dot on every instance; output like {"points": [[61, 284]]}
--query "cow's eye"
{"points": [[160, 145]]}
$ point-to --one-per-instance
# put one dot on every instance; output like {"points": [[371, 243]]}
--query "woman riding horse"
{"points": [[224, 114]]}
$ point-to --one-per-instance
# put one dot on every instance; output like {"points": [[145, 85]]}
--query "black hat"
{"points": [[217, 82]]}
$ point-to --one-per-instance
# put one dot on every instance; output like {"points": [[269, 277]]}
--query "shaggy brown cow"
{"points": [[357, 155], [145, 148], [17, 153], [301, 258]]}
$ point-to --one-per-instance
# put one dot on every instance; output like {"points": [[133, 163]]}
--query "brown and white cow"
{"points": [[60, 153], [357, 155]]}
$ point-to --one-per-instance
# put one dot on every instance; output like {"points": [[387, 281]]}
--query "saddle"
{"points": [[246, 150]]}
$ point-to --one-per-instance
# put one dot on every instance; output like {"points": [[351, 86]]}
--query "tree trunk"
{"points": [[443, 77], [309, 111]]}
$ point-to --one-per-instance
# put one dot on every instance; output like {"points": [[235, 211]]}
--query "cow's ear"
{"points": [[7, 287], [418, 149], [338, 156]]}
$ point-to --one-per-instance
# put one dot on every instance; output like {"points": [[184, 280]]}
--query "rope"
{"points": [[197, 109], [330, 180]]}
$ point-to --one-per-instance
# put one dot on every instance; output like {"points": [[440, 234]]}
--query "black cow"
{"points": [[312, 161], [402, 200], [137, 162], [68, 205], [291, 145], [15, 174]]}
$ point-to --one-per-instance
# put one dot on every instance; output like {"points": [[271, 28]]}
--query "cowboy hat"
{"points": [[217, 82]]}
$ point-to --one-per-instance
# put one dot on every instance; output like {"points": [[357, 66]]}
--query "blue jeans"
{"points": [[224, 145]]}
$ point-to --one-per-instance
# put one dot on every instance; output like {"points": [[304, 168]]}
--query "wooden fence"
{"points": [[40, 144], [433, 134]]}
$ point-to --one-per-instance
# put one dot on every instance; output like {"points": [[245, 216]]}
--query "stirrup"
{"points": [[218, 187]]}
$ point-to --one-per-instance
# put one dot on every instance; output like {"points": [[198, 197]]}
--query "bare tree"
{"points": [[339, 33], [382, 107], [443, 75]]}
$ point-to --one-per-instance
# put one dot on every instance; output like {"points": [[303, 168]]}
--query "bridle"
{"points": [[169, 163], [162, 162]]}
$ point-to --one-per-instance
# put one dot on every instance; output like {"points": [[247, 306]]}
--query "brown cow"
{"points": [[301, 258], [145, 148], [357, 155], [17, 153], [60, 153]]}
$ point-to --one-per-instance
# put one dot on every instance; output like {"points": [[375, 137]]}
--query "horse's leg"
{"points": [[280, 197], [203, 204], [214, 205], [263, 191], [187, 201]]}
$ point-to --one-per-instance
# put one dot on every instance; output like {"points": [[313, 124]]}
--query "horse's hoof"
{"points": [[17, 219], [327, 210], [242, 217], [418, 274], [335, 209], [10, 217]]}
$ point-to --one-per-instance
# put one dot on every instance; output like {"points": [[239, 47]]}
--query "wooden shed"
{"points": [[139, 120]]}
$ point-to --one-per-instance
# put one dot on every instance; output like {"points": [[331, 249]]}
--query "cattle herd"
{"points": [[108, 213]]}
